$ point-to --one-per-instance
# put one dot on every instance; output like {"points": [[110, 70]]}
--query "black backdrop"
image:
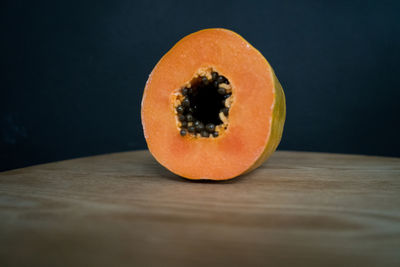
{"points": [[72, 73]]}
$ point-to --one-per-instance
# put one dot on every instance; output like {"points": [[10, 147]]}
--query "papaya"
{"points": [[212, 107]]}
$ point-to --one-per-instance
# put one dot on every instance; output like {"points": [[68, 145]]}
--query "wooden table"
{"points": [[298, 209]]}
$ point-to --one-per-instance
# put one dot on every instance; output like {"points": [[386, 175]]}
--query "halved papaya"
{"points": [[212, 107]]}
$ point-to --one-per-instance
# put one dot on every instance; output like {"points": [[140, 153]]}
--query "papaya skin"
{"points": [[274, 123]]}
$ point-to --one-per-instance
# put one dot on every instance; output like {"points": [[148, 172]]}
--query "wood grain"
{"points": [[124, 209]]}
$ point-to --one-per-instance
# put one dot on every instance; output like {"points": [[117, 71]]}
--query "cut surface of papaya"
{"points": [[212, 107]]}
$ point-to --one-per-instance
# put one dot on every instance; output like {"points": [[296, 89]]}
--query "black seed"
{"points": [[184, 124], [181, 117], [189, 117], [227, 96], [190, 91], [204, 80], [191, 110], [215, 84], [191, 129], [184, 91], [205, 134], [225, 111], [183, 132], [210, 127], [221, 91], [215, 134], [221, 79], [196, 123], [200, 127], [186, 102], [214, 75], [180, 109]]}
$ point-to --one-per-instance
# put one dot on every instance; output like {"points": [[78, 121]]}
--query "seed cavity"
{"points": [[202, 105]]}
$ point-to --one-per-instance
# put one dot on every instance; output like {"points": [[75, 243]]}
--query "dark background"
{"points": [[73, 72]]}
